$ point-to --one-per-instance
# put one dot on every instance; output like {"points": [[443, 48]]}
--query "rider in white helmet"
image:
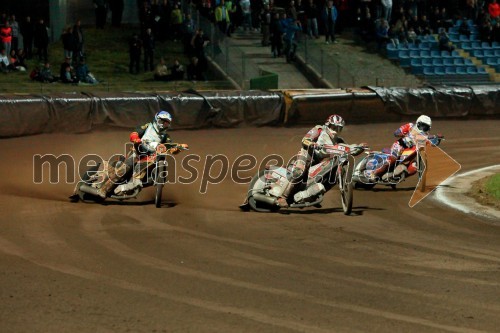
{"points": [[317, 136], [405, 134], [146, 139]]}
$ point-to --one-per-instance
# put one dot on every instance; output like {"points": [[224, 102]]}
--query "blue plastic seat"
{"points": [[459, 62], [497, 53], [437, 62], [458, 23], [428, 70], [471, 70], [454, 54], [451, 70], [478, 53], [486, 46], [476, 45], [445, 54], [392, 51], [427, 62], [464, 38], [425, 54], [466, 46], [468, 62], [439, 70], [481, 70], [435, 54], [424, 46], [462, 70], [491, 62], [413, 46], [495, 45], [448, 62], [488, 53]]}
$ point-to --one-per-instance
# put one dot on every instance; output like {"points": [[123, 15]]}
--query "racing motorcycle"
{"points": [[413, 160], [335, 167], [155, 175]]}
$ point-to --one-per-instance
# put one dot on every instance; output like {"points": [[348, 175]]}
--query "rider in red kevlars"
{"points": [[406, 139], [146, 139], [317, 136]]}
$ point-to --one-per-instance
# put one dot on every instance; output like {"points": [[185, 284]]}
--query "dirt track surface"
{"points": [[200, 265]]}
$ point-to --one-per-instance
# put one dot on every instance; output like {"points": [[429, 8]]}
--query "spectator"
{"points": [[69, 42], [41, 38], [46, 75], [15, 32], [387, 10], [116, 7], [382, 32], [246, 11], [27, 30], [222, 18], [6, 37], [277, 32], [329, 19], [291, 29], [425, 26], [148, 43], [464, 29], [161, 71], [78, 52], [21, 60], [494, 10], [135, 49], [265, 19], [444, 42], [311, 11], [195, 71], [83, 73], [188, 30], [200, 42], [176, 19], [176, 71], [101, 11], [66, 72], [4, 61]]}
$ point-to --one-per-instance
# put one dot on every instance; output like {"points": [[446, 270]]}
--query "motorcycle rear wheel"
{"points": [[256, 184], [346, 190]]}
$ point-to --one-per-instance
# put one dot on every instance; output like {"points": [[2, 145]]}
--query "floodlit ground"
{"points": [[200, 265]]}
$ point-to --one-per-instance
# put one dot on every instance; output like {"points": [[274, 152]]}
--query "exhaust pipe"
{"points": [[265, 199], [89, 189]]}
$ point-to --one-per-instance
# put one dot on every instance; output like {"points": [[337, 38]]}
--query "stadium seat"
{"points": [[476, 45], [497, 53], [486, 46], [428, 70], [495, 45], [427, 61], [424, 46], [445, 54], [468, 62], [392, 51], [491, 62], [450, 70], [435, 54], [438, 62], [462, 70], [478, 54], [471, 70], [425, 54], [439, 70], [459, 62], [448, 62]]}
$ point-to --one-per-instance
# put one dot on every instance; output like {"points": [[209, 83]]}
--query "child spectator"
{"points": [[176, 71], [45, 74], [161, 71]]}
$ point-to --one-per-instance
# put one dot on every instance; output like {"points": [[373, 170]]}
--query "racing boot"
{"points": [[131, 185], [115, 173]]}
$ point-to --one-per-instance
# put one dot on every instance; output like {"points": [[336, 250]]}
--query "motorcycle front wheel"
{"points": [[346, 190], [160, 182]]}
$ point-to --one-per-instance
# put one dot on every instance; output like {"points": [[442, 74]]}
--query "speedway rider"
{"points": [[147, 140], [312, 142], [406, 139]]}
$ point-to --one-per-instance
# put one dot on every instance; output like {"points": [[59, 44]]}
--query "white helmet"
{"points": [[424, 123], [160, 119], [335, 123]]}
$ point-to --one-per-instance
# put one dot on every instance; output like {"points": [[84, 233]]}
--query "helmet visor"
{"points": [[423, 127], [336, 128]]}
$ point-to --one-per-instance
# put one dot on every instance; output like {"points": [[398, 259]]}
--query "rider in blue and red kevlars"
{"points": [[405, 134]]}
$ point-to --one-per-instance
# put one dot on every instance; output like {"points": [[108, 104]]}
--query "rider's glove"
{"points": [[161, 149], [137, 141], [174, 150], [184, 146]]}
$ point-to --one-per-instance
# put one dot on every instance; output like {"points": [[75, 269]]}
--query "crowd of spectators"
{"points": [[280, 22]]}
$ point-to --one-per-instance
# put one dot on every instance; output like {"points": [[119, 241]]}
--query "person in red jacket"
{"points": [[494, 10], [6, 37]]}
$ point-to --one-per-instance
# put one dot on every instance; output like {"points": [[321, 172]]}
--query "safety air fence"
{"points": [[81, 112]]}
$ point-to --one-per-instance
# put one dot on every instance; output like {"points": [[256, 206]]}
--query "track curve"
{"points": [[199, 264]]}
